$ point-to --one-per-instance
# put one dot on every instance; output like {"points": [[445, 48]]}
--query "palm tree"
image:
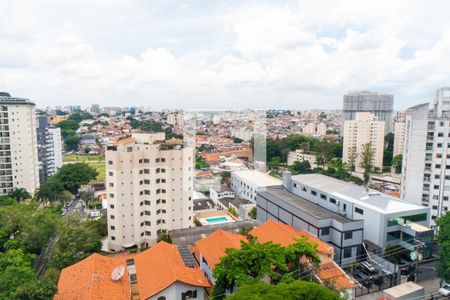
{"points": [[19, 194]]}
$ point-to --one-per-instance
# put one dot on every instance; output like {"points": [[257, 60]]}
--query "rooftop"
{"points": [[213, 247], [5, 98], [257, 178], [372, 199], [314, 210], [285, 235], [156, 269]]}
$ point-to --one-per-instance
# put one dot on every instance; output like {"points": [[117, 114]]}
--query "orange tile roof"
{"points": [[212, 247], [285, 235], [160, 266], [91, 279], [123, 141], [331, 271], [394, 194]]}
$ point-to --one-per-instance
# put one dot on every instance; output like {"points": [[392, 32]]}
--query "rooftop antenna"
{"points": [[118, 272]]}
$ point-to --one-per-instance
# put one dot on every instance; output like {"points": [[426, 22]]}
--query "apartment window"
{"points": [[434, 206], [110, 162], [111, 195], [314, 193], [112, 217], [113, 238], [147, 213], [112, 227], [140, 161], [189, 295], [445, 198], [359, 211], [437, 166], [147, 202], [325, 231], [322, 196], [347, 252], [146, 161], [110, 173], [348, 235], [303, 189], [129, 149], [148, 233], [436, 187], [146, 181], [439, 145], [111, 206], [440, 134], [332, 200], [163, 160], [148, 223], [146, 171]]}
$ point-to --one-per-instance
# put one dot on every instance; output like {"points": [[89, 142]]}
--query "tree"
{"points": [[72, 142], [225, 178], [275, 162], [19, 194], [352, 158], [163, 235], [50, 191], [300, 167], [256, 261], [284, 291], [18, 280], [443, 264], [252, 213], [397, 162], [72, 176], [366, 162], [388, 149], [77, 240]]}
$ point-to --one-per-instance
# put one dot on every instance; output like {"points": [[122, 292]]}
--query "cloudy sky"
{"points": [[222, 54]]}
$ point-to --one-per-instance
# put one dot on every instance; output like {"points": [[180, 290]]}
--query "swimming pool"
{"points": [[215, 220]]}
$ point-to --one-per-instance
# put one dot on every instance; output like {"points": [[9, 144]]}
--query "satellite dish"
{"points": [[118, 272]]}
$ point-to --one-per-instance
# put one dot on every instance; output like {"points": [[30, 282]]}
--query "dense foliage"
{"points": [[69, 128], [256, 261], [443, 264], [284, 291]]}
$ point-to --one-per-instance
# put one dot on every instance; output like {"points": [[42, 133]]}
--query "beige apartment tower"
{"points": [[149, 184], [18, 145], [399, 138], [364, 129]]}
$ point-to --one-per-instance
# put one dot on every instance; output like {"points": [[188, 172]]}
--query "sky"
{"points": [[223, 54]]}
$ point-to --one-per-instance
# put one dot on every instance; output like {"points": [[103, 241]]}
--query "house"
{"points": [[162, 272], [245, 184]]}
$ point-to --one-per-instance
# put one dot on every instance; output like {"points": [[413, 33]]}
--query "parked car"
{"points": [[445, 289]]}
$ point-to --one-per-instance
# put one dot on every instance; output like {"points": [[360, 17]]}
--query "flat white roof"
{"points": [[257, 178], [372, 199], [403, 289]]}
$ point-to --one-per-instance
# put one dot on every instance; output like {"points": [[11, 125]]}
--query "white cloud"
{"points": [[297, 55]]}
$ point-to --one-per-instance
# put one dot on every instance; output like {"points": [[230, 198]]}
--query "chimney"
{"points": [[134, 290], [287, 181]]}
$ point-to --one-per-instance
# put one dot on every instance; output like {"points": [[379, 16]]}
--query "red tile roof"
{"points": [[212, 247], [160, 266], [156, 269], [91, 279], [285, 235], [331, 271]]}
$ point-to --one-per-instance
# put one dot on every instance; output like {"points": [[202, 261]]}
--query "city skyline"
{"points": [[286, 55]]}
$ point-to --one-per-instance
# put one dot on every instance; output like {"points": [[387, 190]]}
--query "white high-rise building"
{"points": [[426, 155], [381, 105], [364, 129], [149, 189], [18, 145], [399, 138], [49, 148]]}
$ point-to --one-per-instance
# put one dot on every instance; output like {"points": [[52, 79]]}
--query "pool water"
{"points": [[216, 220]]}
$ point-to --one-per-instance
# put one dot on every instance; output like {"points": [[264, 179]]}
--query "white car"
{"points": [[445, 289]]}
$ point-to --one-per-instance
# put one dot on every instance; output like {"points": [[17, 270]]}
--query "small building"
{"points": [[245, 184], [219, 192], [300, 155]]}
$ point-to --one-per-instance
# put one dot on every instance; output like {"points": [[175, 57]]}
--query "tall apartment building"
{"points": [[364, 129], [426, 156], [175, 119], [18, 145], [399, 138], [149, 185], [49, 148], [381, 105]]}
